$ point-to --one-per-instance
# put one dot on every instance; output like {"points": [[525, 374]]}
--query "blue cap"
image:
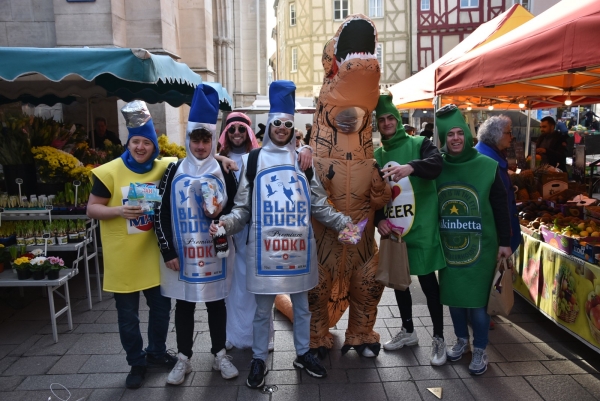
{"points": [[282, 97], [205, 105]]}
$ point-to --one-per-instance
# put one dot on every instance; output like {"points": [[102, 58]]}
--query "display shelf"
{"points": [[8, 278], [81, 248]]}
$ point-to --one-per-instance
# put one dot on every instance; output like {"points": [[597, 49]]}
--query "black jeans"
{"points": [[431, 289], [129, 324], [184, 325]]}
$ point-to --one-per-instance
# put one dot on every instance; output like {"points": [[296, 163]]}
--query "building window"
{"points": [[425, 5], [340, 9], [294, 59], [376, 8], [524, 3], [292, 14], [379, 51], [469, 3]]}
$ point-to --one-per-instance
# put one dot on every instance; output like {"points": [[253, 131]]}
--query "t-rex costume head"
{"points": [[342, 121]]}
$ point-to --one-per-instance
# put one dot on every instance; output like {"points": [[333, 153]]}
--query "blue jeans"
{"points": [[480, 322], [261, 325], [129, 324]]}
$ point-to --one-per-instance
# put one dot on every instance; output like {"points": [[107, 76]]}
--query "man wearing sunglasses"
{"points": [[237, 140], [279, 202]]}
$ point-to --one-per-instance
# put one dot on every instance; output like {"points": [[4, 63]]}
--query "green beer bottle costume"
{"points": [[412, 207], [467, 223], [422, 236]]}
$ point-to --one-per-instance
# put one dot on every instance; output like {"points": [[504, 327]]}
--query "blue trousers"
{"points": [[261, 324], [480, 322], [129, 324]]}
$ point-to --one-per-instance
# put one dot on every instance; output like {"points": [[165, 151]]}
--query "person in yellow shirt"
{"points": [[131, 256]]}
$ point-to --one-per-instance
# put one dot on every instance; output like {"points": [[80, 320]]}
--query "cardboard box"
{"points": [[557, 240], [553, 183], [586, 249]]}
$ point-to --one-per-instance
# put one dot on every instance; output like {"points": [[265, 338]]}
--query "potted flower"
{"points": [[29, 233], [81, 229], [51, 229], [61, 232], [38, 268], [72, 232], [38, 232], [20, 230], [53, 267], [22, 266]]}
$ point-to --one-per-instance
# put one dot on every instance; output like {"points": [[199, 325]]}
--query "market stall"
{"points": [[47, 164], [565, 288], [546, 63]]}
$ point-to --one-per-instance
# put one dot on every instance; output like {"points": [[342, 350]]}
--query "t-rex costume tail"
{"points": [[342, 142]]}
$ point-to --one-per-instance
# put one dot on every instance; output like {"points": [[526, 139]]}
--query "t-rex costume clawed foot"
{"points": [[343, 150]]}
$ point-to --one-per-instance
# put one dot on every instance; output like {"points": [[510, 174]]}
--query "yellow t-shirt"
{"points": [[130, 249]]}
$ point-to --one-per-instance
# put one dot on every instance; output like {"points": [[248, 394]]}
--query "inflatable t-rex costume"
{"points": [[343, 148]]}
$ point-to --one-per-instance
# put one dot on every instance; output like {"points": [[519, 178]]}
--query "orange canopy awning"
{"points": [[418, 90], [542, 62]]}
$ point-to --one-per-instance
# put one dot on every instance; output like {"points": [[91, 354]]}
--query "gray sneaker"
{"points": [[401, 339], [458, 349], [438, 351], [479, 363]]}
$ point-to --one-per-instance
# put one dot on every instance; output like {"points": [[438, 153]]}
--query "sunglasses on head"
{"points": [[286, 124], [241, 129]]}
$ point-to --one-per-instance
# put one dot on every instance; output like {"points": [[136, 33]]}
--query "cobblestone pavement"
{"points": [[530, 359]]}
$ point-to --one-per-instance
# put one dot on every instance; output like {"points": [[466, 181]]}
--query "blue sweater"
{"points": [[515, 235]]}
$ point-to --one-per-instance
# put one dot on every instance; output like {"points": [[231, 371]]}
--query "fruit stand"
{"points": [[563, 287]]}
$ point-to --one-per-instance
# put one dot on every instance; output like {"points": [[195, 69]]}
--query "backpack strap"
{"points": [[251, 168]]}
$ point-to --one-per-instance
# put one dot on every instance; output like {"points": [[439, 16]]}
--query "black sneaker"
{"points": [[135, 378], [311, 364], [258, 371], [166, 361]]}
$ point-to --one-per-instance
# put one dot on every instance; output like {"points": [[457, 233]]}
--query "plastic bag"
{"points": [[352, 236], [144, 195], [212, 196]]}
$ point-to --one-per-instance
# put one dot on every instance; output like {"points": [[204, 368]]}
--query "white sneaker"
{"points": [[223, 363], [401, 339], [181, 368], [368, 353], [228, 345], [438, 351], [458, 349], [479, 362], [271, 345]]}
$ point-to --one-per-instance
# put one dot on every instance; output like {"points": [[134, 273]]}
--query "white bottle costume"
{"points": [[281, 254], [203, 277]]}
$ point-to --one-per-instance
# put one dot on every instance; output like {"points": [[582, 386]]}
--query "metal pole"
{"points": [[437, 102], [528, 132], [87, 122]]}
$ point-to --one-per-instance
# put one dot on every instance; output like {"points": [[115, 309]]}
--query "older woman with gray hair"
{"points": [[495, 136]]}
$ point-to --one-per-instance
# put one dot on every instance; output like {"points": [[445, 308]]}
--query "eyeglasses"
{"points": [[509, 132], [240, 128], [286, 124]]}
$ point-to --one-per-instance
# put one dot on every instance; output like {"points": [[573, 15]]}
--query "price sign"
{"points": [[76, 183], [19, 180], [46, 235], [49, 207]]}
